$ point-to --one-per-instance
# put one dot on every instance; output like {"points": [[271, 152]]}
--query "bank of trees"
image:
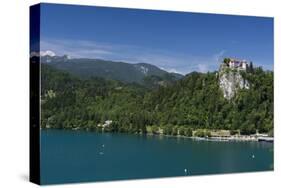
{"points": [[194, 102]]}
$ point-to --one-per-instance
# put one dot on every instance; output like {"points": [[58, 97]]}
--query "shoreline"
{"points": [[243, 138], [234, 138]]}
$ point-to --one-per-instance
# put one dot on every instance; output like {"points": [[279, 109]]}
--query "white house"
{"points": [[106, 124]]}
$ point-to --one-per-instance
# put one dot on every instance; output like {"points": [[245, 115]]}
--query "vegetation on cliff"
{"points": [[191, 103]]}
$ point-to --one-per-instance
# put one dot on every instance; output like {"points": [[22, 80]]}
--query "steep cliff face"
{"points": [[230, 81]]}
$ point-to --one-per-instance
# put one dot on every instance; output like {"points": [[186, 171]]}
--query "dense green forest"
{"points": [[194, 102]]}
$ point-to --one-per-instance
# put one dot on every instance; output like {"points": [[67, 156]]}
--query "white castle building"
{"points": [[238, 64]]}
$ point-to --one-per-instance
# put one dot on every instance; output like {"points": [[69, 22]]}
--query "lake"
{"points": [[80, 156]]}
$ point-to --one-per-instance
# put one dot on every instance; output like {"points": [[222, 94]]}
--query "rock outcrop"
{"points": [[231, 80]]}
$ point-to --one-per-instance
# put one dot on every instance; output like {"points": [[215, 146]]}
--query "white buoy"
{"points": [[185, 171], [103, 145], [253, 156]]}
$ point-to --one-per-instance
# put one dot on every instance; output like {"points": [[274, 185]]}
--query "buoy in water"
{"points": [[185, 171], [253, 156]]}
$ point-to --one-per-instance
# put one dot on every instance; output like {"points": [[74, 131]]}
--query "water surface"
{"points": [[78, 156]]}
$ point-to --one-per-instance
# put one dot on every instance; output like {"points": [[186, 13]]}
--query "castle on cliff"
{"points": [[236, 64]]}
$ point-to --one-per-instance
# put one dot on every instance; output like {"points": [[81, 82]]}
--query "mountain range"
{"points": [[125, 72]]}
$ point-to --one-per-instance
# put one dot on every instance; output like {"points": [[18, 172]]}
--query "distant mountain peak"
{"points": [[50, 57], [43, 53], [47, 53]]}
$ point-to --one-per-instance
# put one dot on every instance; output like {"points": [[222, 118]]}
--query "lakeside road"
{"points": [[218, 135], [243, 138]]}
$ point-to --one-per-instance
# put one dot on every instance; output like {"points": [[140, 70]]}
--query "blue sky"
{"points": [[174, 41]]}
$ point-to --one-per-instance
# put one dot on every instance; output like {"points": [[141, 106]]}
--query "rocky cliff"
{"points": [[230, 81]]}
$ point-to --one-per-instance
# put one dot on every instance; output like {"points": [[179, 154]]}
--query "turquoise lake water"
{"points": [[80, 156]]}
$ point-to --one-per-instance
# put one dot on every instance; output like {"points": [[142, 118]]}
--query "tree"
{"points": [[226, 60], [188, 132], [175, 131], [154, 129], [181, 131], [167, 130]]}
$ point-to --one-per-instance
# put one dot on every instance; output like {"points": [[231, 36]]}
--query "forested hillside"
{"points": [[193, 102]]}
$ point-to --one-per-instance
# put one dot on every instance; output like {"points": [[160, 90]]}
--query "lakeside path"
{"points": [[244, 138]]}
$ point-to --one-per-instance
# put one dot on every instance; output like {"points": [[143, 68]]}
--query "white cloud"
{"points": [[172, 70], [75, 48], [203, 68]]}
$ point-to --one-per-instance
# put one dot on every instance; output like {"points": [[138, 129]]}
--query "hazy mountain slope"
{"points": [[125, 72]]}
